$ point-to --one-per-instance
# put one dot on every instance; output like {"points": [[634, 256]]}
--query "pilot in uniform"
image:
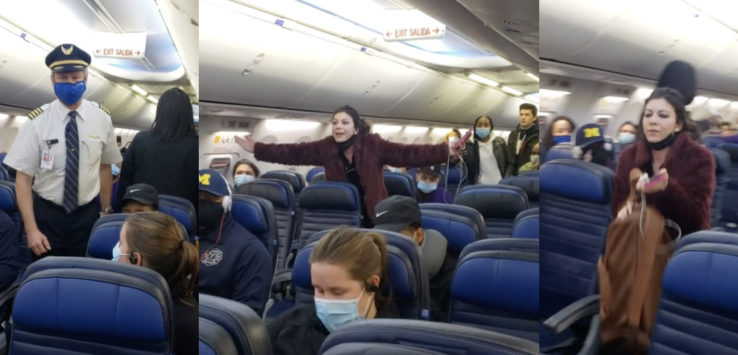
{"points": [[65, 152]]}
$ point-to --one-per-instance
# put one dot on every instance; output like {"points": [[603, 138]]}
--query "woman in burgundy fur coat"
{"points": [[351, 154], [663, 146]]}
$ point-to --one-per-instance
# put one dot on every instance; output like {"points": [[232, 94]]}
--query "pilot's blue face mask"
{"points": [[69, 93]]}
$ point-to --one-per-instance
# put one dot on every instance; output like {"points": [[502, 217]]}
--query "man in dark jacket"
{"points": [[521, 140], [234, 264]]}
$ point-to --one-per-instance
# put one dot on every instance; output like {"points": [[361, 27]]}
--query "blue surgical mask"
{"points": [[116, 252], [115, 169], [336, 313], [426, 187], [481, 133], [69, 93], [242, 179], [626, 137], [561, 139]]}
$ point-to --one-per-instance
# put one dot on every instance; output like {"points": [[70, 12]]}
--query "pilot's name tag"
{"points": [[47, 160]]}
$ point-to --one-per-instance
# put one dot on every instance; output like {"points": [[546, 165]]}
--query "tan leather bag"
{"points": [[637, 248]]}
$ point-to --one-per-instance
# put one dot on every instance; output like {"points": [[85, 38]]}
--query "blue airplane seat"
{"points": [[399, 184], [458, 230], [472, 214], [526, 227], [256, 214], [529, 184], [403, 336], [280, 194], [230, 327], [312, 172], [574, 216], [698, 312], [294, 179], [182, 210], [498, 204], [495, 287], [71, 305], [324, 205]]}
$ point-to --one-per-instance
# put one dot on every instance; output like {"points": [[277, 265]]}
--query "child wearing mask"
{"points": [[427, 181]]}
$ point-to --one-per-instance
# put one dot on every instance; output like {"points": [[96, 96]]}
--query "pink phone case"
{"points": [[463, 139], [655, 181]]}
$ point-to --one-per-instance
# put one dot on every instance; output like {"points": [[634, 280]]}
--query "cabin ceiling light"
{"points": [[482, 80], [552, 93], [643, 93], [532, 76], [511, 91]]}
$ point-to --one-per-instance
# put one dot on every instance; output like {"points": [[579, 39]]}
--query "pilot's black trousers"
{"points": [[67, 233]]}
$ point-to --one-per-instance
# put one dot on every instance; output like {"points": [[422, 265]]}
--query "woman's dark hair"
{"points": [[491, 124], [675, 99], [359, 123], [174, 117], [679, 76], [548, 137], [362, 254], [246, 162]]}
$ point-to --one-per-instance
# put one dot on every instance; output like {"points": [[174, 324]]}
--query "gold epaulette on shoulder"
{"points": [[104, 109], [37, 111]]}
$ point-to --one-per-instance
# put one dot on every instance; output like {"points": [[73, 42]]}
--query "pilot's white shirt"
{"points": [[96, 146]]}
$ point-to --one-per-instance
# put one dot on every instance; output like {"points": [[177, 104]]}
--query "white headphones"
{"points": [[227, 200]]}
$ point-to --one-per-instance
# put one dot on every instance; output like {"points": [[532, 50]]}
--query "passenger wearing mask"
{"points": [[348, 270], [351, 154], [486, 157], [521, 140], [166, 156], [234, 264], [427, 180], [140, 198], [559, 131], [401, 214], [452, 138], [590, 145], [155, 241], [664, 147], [626, 136], [244, 171], [532, 165]]}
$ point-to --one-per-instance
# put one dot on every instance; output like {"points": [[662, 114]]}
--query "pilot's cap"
{"points": [[588, 134], [213, 182], [67, 58]]}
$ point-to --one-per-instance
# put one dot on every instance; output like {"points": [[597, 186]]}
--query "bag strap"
{"points": [[669, 247]]}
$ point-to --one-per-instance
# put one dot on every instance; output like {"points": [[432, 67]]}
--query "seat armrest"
{"points": [[572, 313]]}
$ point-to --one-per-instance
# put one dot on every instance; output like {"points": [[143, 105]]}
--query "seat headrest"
{"points": [[722, 160], [312, 172], [278, 192], [84, 297], [104, 236], [703, 274], [529, 184], [444, 338], [493, 201], [180, 208], [214, 339], [7, 197], [578, 180], [459, 210], [512, 246], [295, 179], [559, 151], [399, 184], [732, 149], [244, 326], [318, 177], [708, 236], [454, 175], [458, 230], [249, 213], [506, 280], [330, 195], [526, 227]]}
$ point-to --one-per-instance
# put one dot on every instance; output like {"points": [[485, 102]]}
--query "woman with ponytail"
{"points": [[348, 270], [154, 240], [665, 149], [352, 154]]}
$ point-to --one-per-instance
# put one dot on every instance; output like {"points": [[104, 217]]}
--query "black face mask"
{"points": [[209, 215], [600, 156], [663, 143], [344, 145]]}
